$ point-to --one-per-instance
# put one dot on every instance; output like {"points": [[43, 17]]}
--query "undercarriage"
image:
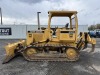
{"points": [[50, 52]]}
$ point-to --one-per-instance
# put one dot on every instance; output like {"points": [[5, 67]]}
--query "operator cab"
{"points": [[69, 32]]}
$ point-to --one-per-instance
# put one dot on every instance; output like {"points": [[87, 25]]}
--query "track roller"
{"points": [[72, 54], [29, 53]]}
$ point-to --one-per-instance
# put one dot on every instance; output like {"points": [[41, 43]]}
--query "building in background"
{"points": [[19, 31]]}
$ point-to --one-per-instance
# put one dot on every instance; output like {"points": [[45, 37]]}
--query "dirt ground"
{"points": [[88, 64]]}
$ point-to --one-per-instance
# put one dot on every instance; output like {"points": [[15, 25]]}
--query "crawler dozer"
{"points": [[58, 44]]}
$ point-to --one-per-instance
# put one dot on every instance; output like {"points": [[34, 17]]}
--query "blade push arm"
{"points": [[84, 40]]}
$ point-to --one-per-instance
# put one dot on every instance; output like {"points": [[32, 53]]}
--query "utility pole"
{"points": [[38, 19], [1, 15]]}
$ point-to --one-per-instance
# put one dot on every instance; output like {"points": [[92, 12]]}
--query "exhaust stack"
{"points": [[38, 19]]}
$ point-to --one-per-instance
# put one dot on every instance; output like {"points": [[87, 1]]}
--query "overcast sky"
{"points": [[25, 11]]}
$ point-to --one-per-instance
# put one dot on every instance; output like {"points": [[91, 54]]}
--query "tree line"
{"points": [[93, 27]]}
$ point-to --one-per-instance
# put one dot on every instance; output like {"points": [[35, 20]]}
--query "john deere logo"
{"points": [[5, 31]]}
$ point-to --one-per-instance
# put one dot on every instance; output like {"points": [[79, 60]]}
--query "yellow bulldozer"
{"points": [[58, 44]]}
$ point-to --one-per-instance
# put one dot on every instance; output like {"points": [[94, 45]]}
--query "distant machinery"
{"points": [[94, 33]]}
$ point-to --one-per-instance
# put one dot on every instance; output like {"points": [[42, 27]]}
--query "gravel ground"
{"points": [[89, 64]]}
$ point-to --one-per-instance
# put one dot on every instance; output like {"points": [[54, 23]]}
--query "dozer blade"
{"points": [[10, 50], [7, 59]]}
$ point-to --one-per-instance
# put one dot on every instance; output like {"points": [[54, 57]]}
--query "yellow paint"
{"points": [[11, 47], [71, 53], [31, 51], [70, 39]]}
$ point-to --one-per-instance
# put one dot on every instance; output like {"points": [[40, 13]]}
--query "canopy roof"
{"points": [[62, 13]]}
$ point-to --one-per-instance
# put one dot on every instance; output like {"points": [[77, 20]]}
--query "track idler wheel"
{"points": [[29, 53], [72, 54]]}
